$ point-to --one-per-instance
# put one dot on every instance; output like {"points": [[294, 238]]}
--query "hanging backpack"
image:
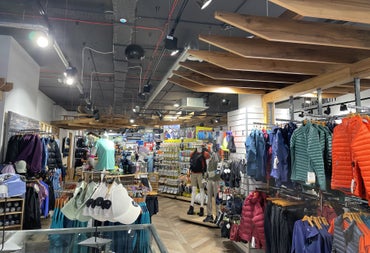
{"points": [[198, 163]]}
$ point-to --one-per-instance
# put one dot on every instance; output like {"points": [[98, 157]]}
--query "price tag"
{"points": [[276, 162], [353, 183], [311, 177]]}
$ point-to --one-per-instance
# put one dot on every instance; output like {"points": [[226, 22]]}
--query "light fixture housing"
{"points": [[136, 109], [343, 107], [70, 75], [204, 3], [147, 88], [327, 110], [170, 43], [301, 114], [225, 101]]}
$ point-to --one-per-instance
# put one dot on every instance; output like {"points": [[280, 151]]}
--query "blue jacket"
{"points": [[256, 155], [280, 168]]}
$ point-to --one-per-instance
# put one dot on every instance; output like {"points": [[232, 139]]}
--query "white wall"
{"points": [[24, 73], [17, 66], [250, 101]]}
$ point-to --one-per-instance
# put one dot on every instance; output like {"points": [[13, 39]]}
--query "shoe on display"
{"points": [[201, 212], [209, 218], [191, 210]]}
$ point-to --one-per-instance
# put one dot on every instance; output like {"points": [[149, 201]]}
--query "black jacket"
{"points": [[54, 157]]}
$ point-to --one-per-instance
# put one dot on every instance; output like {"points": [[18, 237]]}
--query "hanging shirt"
{"points": [[105, 151]]}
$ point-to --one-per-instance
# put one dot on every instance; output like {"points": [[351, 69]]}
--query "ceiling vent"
{"points": [[192, 104]]}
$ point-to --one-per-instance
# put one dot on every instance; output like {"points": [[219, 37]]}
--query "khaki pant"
{"points": [[196, 181], [212, 191]]}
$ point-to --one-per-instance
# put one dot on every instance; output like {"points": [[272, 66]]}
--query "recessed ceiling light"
{"points": [[132, 121], [176, 105], [123, 20]]}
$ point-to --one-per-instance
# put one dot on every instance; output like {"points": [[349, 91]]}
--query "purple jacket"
{"points": [[31, 152]]}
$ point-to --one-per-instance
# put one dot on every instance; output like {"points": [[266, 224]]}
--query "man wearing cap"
{"points": [[196, 177]]}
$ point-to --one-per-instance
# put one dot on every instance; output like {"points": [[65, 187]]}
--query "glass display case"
{"points": [[134, 238]]}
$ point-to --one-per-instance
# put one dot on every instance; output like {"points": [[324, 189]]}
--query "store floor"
{"points": [[181, 236], [184, 237]]}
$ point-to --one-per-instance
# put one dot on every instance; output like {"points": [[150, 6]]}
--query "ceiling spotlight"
{"points": [[136, 109], [42, 41], [176, 105], [225, 101], [132, 121], [327, 111], [159, 114], [301, 114], [70, 75], [343, 107], [170, 42], [40, 38], [147, 87], [203, 3], [175, 52], [216, 121], [310, 111], [96, 114], [142, 95]]}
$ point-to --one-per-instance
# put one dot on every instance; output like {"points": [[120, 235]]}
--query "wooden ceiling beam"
{"points": [[218, 73], [348, 10], [298, 31], [343, 75], [206, 81], [264, 49], [231, 61], [191, 85], [365, 83], [291, 15]]}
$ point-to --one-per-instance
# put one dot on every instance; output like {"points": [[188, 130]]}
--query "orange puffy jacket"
{"points": [[361, 159], [341, 157], [350, 157]]}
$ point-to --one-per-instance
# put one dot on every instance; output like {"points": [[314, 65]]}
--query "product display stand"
{"points": [[95, 241], [197, 220]]}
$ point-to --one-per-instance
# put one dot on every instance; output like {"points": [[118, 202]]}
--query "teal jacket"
{"points": [[307, 154]]}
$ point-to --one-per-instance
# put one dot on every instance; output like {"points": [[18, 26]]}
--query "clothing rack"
{"points": [[263, 124], [362, 108], [288, 120], [317, 116]]}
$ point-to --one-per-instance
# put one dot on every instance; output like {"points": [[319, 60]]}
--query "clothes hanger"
{"points": [[308, 219]]}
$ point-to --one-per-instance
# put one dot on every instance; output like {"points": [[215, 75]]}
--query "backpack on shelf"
{"points": [[198, 163]]}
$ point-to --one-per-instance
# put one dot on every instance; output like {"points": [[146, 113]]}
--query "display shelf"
{"points": [[9, 216]]}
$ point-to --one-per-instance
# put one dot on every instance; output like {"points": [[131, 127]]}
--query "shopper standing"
{"points": [[198, 166]]}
